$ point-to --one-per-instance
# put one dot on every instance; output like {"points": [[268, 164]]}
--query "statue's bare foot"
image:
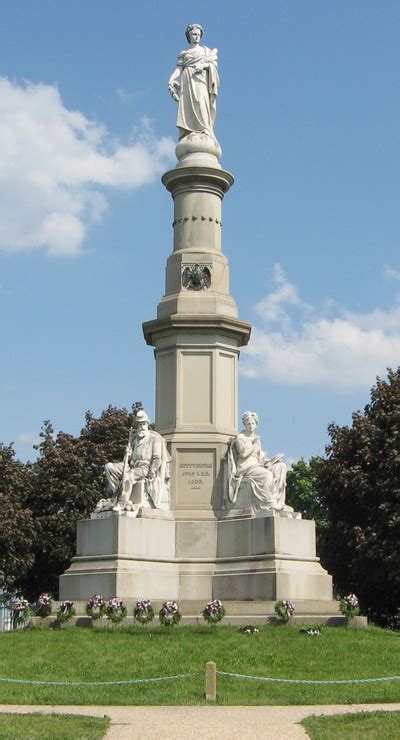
{"points": [[118, 507]]}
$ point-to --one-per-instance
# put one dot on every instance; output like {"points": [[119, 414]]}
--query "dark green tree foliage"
{"points": [[62, 490], [17, 529], [68, 480], [359, 485], [302, 492], [105, 438]]}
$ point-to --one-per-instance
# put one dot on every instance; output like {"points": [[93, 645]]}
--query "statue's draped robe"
{"points": [[197, 99], [267, 478]]}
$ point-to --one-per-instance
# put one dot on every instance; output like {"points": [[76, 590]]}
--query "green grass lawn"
{"points": [[371, 725], [78, 654], [49, 726]]}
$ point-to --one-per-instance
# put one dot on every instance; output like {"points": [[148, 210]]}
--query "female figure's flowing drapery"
{"points": [[266, 477], [198, 92]]}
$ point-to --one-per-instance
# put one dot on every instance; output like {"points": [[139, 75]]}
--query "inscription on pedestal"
{"points": [[195, 477], [196, 474]]}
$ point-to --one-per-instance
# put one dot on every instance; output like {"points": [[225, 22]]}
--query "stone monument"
{"points": [[196, 510]]}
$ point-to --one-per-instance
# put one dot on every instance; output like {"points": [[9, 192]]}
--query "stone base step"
{"points": [[194, 619], [259, 609], [237, 613]]}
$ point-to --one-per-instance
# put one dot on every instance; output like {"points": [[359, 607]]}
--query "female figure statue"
{"points": [[197, 90], [247, 461]]}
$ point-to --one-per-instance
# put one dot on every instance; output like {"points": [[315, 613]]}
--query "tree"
{"points": [[302, 492], [17, 526], [68, 480], [359, 486]]}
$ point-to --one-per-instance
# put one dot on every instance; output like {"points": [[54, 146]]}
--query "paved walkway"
{"points": [[204, 723]]}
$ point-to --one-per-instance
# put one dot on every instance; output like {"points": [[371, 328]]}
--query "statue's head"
{"points": [[193, 30], [141, 421], [250, 420]]}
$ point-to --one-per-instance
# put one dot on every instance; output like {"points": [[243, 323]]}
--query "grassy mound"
{"points": [[78, 654], [371, 725], [49, 726]]}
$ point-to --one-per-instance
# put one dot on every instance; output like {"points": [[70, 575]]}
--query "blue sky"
{"points": [[308, 120]]}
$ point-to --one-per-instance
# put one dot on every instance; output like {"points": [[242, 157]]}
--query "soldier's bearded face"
{"points": [[142, 429]]}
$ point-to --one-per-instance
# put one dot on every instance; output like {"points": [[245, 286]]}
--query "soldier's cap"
{"points": [[141, 416]]}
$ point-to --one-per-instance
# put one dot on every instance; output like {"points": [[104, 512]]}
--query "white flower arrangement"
{"points": [[116, 610], [169, 614], [213, 611], [65, 611], [96, 607], [143, 611], [44, 605], [349, 606], [20, 610], [285, 609]]}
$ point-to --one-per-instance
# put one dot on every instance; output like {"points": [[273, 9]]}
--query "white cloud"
{"points": [[272, 306], [124, 96], [27, 438], [345, 351], [55, 164], [390, 273]]}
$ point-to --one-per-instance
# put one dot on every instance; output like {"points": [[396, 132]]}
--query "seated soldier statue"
{"points": [[146, 461]]}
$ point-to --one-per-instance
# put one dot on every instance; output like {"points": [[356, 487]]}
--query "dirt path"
{"points": [[204, 723]]}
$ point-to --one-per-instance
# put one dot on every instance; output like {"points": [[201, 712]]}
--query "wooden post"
{"points": [[211, 681]]}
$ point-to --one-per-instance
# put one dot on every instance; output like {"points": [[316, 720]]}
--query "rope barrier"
{"points": [[99, 683], [197, 673], [301, 680]]}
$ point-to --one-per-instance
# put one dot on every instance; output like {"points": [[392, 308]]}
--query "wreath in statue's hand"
{"points": [[173, 90]]}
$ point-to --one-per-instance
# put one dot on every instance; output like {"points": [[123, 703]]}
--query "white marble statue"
{"points": [[146, 460], [194, 85], [247, 462]]}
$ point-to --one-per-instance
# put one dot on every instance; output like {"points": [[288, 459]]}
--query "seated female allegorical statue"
{"points": [[247, 462]]}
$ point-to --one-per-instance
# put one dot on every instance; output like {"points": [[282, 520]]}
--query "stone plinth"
{"points": [[159, 557]]}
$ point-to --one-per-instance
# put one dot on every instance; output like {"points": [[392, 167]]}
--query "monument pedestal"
{"points": [[264, 557]]}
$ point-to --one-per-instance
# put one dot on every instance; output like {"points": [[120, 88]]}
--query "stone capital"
{"points": [[211, 324]]}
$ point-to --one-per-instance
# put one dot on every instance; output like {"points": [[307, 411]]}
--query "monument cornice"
{"points": [[263, 557], [158, 328], [198, 177]]}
